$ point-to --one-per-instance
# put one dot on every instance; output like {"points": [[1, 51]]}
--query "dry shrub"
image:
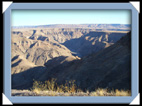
{"points": [[100, 92], [70, 89], [122, 92], [37, 87], [51, 85], [106, 92]]}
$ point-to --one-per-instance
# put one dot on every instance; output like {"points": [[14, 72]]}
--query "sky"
{"points": [[47, 17]]}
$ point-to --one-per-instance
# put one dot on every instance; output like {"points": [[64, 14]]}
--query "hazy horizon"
{"points": [[70, 24], [50, 17]]}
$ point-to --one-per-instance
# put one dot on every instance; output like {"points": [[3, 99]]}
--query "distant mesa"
{"points": [[124, 27]]}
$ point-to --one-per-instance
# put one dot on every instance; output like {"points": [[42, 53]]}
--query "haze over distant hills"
{"points": [[95, 55], [88, 26]]}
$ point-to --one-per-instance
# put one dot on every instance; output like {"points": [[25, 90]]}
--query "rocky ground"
{"points": [[46, 93], [98, 92]]}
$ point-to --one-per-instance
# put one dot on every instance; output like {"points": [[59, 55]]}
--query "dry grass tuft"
{"points": [[122, 92], [50, 88]]}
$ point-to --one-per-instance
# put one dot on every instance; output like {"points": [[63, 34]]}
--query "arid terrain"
{"points": [[93, 55]]}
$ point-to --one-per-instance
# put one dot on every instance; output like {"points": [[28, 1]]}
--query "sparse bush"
{"points": [[122, 93], [51, 85], [101, 92], [106, 92], [37, 87], [70, 89]]}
